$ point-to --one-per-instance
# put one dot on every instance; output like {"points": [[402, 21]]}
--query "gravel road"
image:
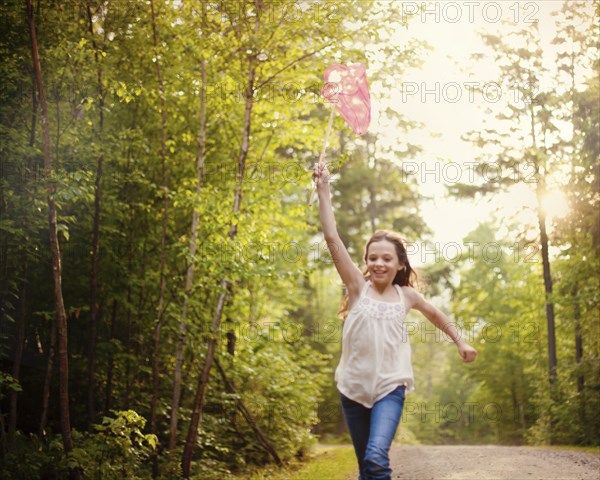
{"points": [[491, 463]]}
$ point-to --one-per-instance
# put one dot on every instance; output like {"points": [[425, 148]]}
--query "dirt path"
{"points": [[491, 463]]}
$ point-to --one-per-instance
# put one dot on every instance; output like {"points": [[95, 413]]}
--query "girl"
{"points": [[375, 370]]}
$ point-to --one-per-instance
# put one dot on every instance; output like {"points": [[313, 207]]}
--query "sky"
{"points": [[441, 96]]}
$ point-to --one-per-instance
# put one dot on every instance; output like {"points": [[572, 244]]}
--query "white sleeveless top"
{"points": [[376, 354]]}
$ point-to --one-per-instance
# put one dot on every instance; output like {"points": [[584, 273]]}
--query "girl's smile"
{"points": [[382, 262]]}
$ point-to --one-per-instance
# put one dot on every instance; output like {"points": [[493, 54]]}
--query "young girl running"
{"points": [[375, 370]]}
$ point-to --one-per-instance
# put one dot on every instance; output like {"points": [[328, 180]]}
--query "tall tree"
{"points": [[251, 63], [189, 272], [579, 234], [165, 213], [60, 314], [523, 150], [22, 313], [577, 62], [96, 225]]}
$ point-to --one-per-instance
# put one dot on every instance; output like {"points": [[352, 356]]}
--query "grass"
{"points": [[328, 462], [332, 460]]}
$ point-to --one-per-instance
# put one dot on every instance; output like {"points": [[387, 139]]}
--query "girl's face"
{"points": [[382, 262]]}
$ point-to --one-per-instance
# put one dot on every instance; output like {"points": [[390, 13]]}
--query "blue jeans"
{"points": [[372, 431]]}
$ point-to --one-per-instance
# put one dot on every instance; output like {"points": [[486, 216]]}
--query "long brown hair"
{"points": [[406, 277]]}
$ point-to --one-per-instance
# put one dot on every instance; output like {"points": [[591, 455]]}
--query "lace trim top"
{"points": [[376, 353]]}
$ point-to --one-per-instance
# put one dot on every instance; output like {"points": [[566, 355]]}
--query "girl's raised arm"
{"points": [[348, 271]]}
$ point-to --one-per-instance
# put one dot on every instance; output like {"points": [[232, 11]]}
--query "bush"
{"points": [[118, 449]]}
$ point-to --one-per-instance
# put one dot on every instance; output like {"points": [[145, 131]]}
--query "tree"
{"points": [[526, 144], [578, 232], [60, 314]]}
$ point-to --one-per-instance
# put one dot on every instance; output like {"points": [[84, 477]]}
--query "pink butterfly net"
{"points": [[347, 88]]}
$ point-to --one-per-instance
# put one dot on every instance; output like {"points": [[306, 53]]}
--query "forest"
{"points": [[167, 301]]}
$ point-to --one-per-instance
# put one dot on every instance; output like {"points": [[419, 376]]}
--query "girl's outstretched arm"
{"points": [[441, 321], [348, 271]]}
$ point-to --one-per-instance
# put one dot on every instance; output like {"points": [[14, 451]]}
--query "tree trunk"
{"points": [[578, 346], [111, 362], [189, 274], [47, 380], [12, 419], [128, 326], [128, 349], [231, 340], [95, 238], [540, 191], [575, 289], [262, 439], [163, 236], [61, 317], [19, 344], [548, 291], [579, 359], [212, 342]]}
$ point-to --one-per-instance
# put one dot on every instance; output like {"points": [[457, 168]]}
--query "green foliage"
{"points": [[8, 384], [336, 463], [104, 100], [512, 371], [281, 390], [494, 305], [118, 449], [43, 459]]}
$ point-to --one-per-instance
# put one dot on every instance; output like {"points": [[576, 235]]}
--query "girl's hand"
{"points": [[466, 351], [320, 173]]}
